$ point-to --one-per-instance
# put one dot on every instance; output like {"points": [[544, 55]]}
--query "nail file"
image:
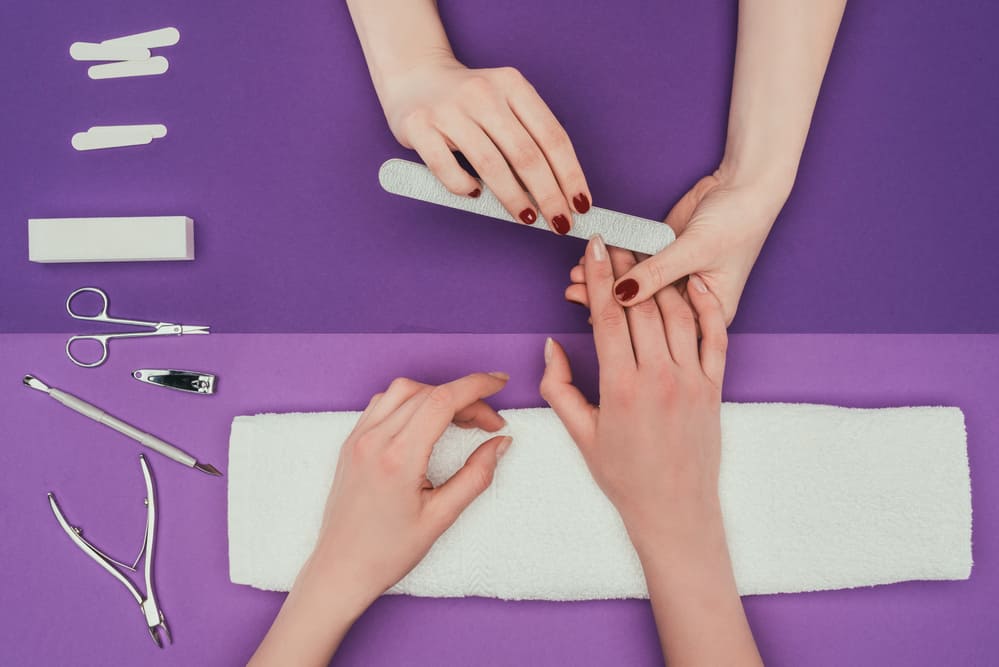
{"points": [[115, 136], [414, 180], [153, 66], [152, 39], [95, 51]]}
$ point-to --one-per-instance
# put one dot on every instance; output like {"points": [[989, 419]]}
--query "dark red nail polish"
{"points": [[626, 290], [561, 224], [528, 216], [475, 193], [581, 202]]}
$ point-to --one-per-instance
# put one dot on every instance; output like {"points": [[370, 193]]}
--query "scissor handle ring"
{"points": [[101, 314], [100, 339]]}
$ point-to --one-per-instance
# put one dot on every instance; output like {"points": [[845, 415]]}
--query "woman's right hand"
{"points": [[497, 120]]}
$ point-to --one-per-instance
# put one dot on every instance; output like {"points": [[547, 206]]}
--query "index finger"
{"points": [[444, 402], [610, 324]]}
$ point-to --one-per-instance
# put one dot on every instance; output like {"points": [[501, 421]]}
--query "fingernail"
{"points": [[475, 193], [698, 283], [561, 224], [599, 249], [503, 446], [549, 343], [581, 202], [627, 289], [500, 375], [528, 216]]}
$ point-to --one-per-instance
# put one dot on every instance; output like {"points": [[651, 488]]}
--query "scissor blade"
{"points": [[191, 329]]}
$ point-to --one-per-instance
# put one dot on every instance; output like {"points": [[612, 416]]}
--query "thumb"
{"points": [[474, 477], [677, 260], [566, 400]]}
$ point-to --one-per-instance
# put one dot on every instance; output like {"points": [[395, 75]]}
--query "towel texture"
{"points": [[814, 497]]}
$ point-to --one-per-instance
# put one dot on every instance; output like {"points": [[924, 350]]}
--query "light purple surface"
{"points": [[60, 608], [275, 138]]}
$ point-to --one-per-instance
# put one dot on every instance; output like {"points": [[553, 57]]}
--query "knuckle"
{"points": [[611, 316], [490, 162], [400, 384], [480, 478], [390, 461], [656, 274], [551, 201], [647, 308], [440, 397], [509, 75], [554, 137], [477, 86], [416, 119], [526, 155]]}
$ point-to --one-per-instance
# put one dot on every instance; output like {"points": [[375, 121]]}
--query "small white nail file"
{"points": [[115, 136], [410, 179], [152, 39], [95, 51], [151, 67]]}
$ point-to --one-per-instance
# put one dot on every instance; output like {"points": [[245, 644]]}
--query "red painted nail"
{"points": [[528, 216], [561, 224], [475, 193], [626, 290], [581, 202]]}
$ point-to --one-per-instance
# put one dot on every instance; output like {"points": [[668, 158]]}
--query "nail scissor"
{"points": [[150, 610], [158, 328]]}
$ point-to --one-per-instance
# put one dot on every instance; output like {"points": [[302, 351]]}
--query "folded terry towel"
{"points": [[814, 497]]}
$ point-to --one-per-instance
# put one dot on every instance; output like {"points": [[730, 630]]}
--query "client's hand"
{"points": [[498, 121], [383, 515], [653, 445]]}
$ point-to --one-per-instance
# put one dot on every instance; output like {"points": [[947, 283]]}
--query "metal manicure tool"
{"points": [[95, 413], [158, 328], [193, 382], [150, 610]]}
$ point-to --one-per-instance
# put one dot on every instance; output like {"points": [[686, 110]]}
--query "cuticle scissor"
{"points": [[158, 328]]}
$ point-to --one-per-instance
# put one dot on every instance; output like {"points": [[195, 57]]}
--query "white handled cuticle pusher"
{"points": [[101, 417], [410, 179]]}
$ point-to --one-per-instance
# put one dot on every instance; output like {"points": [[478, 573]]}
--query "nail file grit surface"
{"points": [[410, 179]]}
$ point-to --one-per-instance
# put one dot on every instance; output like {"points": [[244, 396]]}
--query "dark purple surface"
{"points": [[275, 137], [60, 609]]}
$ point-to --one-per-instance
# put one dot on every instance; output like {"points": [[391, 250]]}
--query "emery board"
{"points": [[414, 180]]}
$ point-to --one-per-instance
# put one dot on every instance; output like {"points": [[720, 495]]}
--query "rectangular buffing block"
{"points": [[142, 239]]}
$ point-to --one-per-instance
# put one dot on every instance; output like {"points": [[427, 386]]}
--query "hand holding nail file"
{"points": [[410, 179], [101, 417]]}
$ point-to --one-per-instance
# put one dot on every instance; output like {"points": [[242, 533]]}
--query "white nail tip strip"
{"points": [[95, 51], [150, 40], [115, 136], [409, 179], [151, 67]]}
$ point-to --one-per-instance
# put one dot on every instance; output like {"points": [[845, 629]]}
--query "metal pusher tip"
{"points": [[35, 383], [208, 468]]}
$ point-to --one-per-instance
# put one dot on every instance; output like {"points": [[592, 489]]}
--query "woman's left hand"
{"points": [[383, 514]]}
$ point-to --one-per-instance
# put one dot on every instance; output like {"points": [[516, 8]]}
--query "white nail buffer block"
{"points": [[143, 239], [152, 39], [410, 179]]}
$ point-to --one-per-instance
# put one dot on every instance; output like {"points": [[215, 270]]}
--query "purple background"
{"points": [[60, 608], [275, 137]]}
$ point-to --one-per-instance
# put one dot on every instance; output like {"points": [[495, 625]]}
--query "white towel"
{"points": [[814, 497]]}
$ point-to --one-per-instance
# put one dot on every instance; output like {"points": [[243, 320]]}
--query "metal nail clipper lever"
{"points": [[101, 417], [147, 604], [192, 382]]}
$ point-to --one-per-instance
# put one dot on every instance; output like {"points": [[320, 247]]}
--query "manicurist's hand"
{"points": [[494, 116], [383, 514], [654, 445], [720, 229]]}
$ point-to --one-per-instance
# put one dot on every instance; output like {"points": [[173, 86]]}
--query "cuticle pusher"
{"points": [[98, 415]]}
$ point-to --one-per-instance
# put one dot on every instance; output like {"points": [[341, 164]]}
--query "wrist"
{"points": [[324, 584], [769, 177], [685, 532]]}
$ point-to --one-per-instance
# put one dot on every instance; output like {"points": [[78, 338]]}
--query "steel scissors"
{"points": [[147, 605], [158, 328]]}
